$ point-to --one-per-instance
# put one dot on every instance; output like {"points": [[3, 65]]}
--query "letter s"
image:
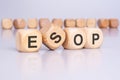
{"points": [[55, 37]]}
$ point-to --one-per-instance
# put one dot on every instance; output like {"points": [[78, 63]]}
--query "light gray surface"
{"points": [[85, 64]]}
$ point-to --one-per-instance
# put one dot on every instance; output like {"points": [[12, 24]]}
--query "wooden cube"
{"points": [[91, 22], [53, 36], [114, 23], [32, 23], [44, 22], [75, 38], [80, 23], [94, 38], [69, 23], [19, 23], [28, 40], [57, 22], [103, 23], [7, 23]]}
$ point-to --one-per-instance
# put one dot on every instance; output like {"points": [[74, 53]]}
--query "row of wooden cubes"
{"points": [[52, 35], [33, 23]]}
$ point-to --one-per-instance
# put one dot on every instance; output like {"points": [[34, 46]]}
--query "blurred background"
{"points": [[59, 8], [85, 64]]}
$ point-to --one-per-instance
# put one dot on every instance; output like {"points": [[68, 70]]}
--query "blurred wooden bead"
{"points": [[75, 38], [114, 23], [32, 23], [94, 38], [19, 23], [28, 40], [91, 22], [57, 22], [7, 23], [44, 22], [80, 23], [53, 36], [103, 23], [69, 23]]}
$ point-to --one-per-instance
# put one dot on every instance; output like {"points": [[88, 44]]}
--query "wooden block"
{"points": [[103, 23], [114, 23], [44, 22], [28, 40], [32, 23], [19, 23], [80, 23], [53, 36], [91, 22], [69, 23], [57, 22], [94, 38], [75, 38], [7, 23]]}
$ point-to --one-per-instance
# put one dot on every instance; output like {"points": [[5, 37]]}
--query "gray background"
{"points": [[85, 64], [59, 8]]}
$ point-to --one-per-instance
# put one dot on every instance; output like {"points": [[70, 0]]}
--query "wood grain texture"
{"points": [[28, 40]]}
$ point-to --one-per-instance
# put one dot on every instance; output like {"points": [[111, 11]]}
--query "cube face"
{"points": [[7, 23], [69, 23], [44, 22], [80, 23], [53, 37], [75, 38], [114, 23], [19, 23], [103, 23], [57, 22], [94, 38], [32, 23], [28, 40], [91, 22]]}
